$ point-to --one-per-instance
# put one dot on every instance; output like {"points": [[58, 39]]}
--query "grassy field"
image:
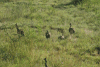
{"points": [[82, 49]]}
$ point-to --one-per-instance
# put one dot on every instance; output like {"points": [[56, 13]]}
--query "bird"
{"points": [[61, 37], [19, 31], [45, 62], [71, 30], [47, 34]]}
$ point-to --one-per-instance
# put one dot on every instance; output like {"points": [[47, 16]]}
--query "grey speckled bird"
{"points": [[71, 30], [45, 62], [47, 34], [19, 31]]}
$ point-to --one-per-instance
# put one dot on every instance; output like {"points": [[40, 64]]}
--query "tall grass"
{"points": [[82, 49]]}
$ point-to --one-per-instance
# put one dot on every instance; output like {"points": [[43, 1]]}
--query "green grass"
{"points": [[79, 50]]}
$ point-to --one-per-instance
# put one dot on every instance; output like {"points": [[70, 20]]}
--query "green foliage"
{"points": [[6, 0], [81, 49]]}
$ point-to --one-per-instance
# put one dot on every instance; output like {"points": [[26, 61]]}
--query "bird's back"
{"points": [[71, 30], [47, 35]]}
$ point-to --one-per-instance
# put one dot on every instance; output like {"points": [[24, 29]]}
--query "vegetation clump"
{"points": [[35, 17]]}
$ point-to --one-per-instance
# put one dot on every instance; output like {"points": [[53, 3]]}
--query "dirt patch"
{"points": [[88, 31]]}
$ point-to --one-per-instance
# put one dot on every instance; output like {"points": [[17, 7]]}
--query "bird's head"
{"points": [[70, 24], [16, 24], [44, 58], [47, 31]]}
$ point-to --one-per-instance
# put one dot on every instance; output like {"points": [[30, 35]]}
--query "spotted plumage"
{"points": [[19, 31], [47, 34], [45, 62], [71, 30]]}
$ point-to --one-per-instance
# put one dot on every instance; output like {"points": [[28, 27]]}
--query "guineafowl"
{"points": [[71, 30], [19, 31], [61, 37], [48, 34], [45, 62]]}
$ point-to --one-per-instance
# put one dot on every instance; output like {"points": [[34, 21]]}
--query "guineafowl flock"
{"points": [[48, 34]]}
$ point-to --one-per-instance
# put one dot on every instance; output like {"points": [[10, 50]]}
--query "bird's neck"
{"points": [[17, 28], [70, 26], [46, 65]]}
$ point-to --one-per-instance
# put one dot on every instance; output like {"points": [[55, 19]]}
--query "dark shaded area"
{"points": [[91, 51], [33, 26], [73, 2], [43, 27], [58, 29], [98, 49], [28, 16], [6, 0]]}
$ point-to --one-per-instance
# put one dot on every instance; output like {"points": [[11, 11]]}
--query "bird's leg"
{"points": [[70, 36]]}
